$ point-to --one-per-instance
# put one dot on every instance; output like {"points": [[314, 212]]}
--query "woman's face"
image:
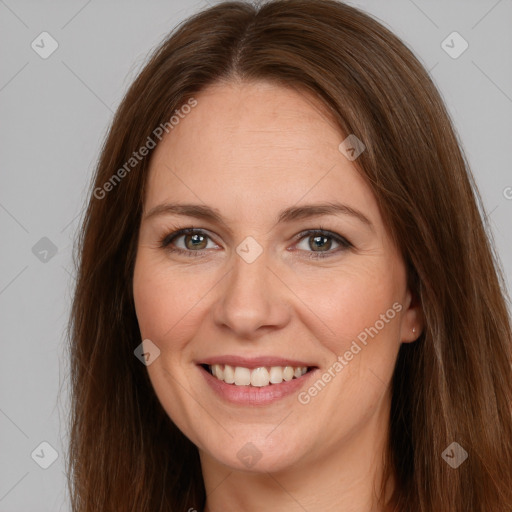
{"points": [[258, 288]]}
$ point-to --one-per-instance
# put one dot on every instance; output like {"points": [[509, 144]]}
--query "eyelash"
{"points": [[169, 238]]}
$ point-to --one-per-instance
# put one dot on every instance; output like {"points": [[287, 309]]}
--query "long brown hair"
{"points": [[454, 384]]}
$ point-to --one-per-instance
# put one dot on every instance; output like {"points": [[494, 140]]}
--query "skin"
{"points": [[251, 150]]}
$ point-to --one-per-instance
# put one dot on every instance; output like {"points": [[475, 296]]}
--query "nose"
{"points": [[252, 299]]}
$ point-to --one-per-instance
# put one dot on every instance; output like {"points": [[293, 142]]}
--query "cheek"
{"points": [[358, 304], [161, 311], [169, 304], [159, 302]]}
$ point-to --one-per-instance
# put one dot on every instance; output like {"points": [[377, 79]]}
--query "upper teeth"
{"points": [[258, 377]]}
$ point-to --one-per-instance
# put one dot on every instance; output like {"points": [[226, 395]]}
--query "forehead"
{"points": [[259, 145]]}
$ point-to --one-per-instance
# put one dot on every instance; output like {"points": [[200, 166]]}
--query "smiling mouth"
{"points": [[256, 377]]}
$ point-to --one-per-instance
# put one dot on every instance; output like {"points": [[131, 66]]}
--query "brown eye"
{"points": [[195, 241], [318, 243], [188, 241]]}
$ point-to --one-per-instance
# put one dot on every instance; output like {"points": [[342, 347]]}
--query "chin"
{"points": [[253, 459]]}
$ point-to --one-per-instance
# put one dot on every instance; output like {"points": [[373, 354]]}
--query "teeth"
{"points": [[276, 375], [288, 373], [242, 376], [258, 377], [218, 371], [229, 374]]}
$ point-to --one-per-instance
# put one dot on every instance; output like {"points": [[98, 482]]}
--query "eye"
{"points": [[194, 242], [320, 241]]}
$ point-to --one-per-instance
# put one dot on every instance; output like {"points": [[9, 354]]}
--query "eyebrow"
{"points": [[290, 214]]}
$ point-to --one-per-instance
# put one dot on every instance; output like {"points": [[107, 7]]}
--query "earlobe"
{"points": [[412, 320]]}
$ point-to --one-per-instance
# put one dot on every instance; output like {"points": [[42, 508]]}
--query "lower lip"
{"points": [[251, 395]]}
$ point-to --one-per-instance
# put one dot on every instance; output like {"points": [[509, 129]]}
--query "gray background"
{"points": [[55, 113]]}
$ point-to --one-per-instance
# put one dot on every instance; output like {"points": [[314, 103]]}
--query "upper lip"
{"points": [[254, 362]]}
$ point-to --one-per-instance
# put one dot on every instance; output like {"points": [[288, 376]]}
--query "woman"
{"points": [[286, 297]]}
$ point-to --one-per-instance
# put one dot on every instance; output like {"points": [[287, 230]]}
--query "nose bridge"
{"points": [[250, 298]]}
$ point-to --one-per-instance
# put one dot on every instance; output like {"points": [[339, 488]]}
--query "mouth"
{"points": [[259, 377], [255, 381]]}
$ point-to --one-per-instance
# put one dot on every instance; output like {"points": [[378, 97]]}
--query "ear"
{"points": [[412, 318]]}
